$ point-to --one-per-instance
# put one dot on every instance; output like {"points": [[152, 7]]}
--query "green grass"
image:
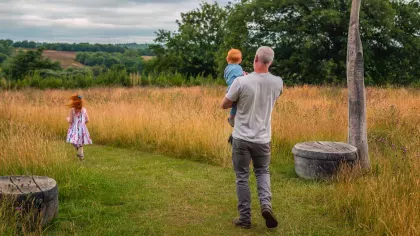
{"points": [[127, 192]]}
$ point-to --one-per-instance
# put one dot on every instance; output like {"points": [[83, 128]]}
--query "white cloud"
{"points": [[105, 21]]}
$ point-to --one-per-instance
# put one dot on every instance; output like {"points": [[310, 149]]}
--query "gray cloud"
{"points": [[102, 21]]}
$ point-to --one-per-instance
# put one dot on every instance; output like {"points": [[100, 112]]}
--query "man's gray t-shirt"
{"points": [[256, 95]]}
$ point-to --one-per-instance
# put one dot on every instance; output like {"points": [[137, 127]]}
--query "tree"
{"points": [[130, 60], [310, 37], [3, 57], [6, 50], [25, 63], [356, 86], [191, 49], [6, 47], [25, 44], [237, 35]]}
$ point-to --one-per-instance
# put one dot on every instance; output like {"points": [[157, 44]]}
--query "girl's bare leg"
{"points": [[80, 153]]}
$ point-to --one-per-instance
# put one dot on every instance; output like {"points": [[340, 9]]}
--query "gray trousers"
{"points": [[242, 154]]}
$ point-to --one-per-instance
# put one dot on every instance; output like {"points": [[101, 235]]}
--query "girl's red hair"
{"points": [[76, 102]]}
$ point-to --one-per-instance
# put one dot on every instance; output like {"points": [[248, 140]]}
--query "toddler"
{"points": [[233, 71]]}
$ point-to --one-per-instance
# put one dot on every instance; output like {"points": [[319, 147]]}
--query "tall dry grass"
{"points": [[187, 123], [27, 149], [386, 201]]}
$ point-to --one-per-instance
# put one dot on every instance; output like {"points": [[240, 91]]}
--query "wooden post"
{"points": [[356, 88]]}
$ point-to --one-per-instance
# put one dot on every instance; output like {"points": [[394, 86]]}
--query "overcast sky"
{"points": [[95, 21]]}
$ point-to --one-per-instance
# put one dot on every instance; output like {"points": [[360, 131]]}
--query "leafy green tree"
{"points": [[6, 47], [237, 35], [25, 63], [6, 50], [25, 44], [399, 61], [191, 49], [3, 57], [310, 37]]}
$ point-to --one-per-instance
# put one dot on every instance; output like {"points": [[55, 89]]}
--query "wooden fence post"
{"points": [[356, 88]]}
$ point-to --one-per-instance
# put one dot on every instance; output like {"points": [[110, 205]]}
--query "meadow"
{"points": [[173, 142]]}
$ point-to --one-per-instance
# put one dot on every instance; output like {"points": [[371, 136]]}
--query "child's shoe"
{"points": [[80, 154], [230, 140]]}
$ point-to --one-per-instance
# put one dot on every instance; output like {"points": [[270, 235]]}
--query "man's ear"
{"points": [[256, 59]]}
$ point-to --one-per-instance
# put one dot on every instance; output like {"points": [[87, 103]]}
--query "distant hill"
{"points": [[68, 59]]}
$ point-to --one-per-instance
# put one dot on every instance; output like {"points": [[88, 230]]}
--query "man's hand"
{"points": [[226, 104]]}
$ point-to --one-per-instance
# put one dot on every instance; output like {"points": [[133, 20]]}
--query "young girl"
{"points": [[78, 134]]}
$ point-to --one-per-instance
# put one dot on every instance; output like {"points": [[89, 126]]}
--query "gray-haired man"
{"points": [[255, 95]]}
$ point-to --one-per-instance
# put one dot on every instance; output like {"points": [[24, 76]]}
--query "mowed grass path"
{"points": [[135, 193]]}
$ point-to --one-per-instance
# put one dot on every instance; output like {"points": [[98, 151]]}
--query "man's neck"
{"points": [[261, 70]]}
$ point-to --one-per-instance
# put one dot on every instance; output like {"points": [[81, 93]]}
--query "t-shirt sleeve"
{"points": [[233, 93]]}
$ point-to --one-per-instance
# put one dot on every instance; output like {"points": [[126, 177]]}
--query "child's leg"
{"points": [[80, 152], [232, 114], [233, 110]]}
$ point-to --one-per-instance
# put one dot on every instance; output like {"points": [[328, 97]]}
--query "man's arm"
{"points": [[226, 103], [232, 95]]}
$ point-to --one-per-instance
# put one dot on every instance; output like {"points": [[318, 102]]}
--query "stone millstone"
{"points": [[38, 192], [315, 160]]}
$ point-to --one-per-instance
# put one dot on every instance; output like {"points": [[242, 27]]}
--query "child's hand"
{"points": [[68, 119], [245, 73]]}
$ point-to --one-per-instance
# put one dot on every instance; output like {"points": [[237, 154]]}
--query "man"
{"points": [[255, 95]]}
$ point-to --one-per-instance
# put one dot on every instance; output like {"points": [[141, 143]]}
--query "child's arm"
{"points": [[87, 117], [243, 73], [71, 117]]}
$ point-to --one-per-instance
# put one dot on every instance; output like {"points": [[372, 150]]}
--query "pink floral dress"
{"points": [[78, 133]]}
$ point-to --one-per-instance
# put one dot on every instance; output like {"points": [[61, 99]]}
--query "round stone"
{"points": [[39, 193], [322, 159]]}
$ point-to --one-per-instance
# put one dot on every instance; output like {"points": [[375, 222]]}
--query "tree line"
{"points": [[309, 38], [143, 49], [18, 63], [130, 60], [29, 68]]}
